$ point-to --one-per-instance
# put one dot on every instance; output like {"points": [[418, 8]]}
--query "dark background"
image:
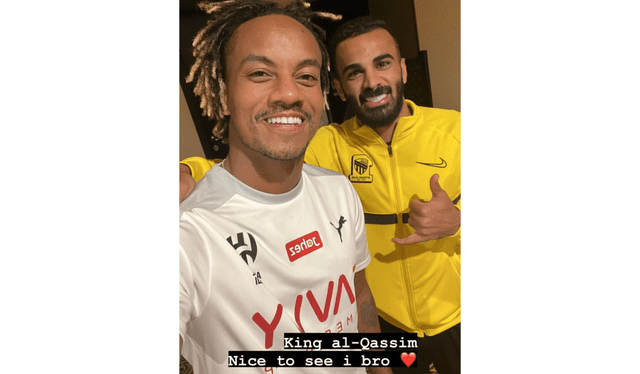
{"points": [[398, 14]]}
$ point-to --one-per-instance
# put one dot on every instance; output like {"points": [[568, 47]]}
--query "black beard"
{"points": [[380, 116]]}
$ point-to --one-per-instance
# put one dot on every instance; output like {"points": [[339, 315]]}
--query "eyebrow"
{"points": [[383, 57], [268, 61], [359, 65], [257, 58], [309, 62]]}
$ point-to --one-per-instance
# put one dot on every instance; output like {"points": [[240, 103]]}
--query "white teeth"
{"points": [[376, 98], [287, 120]]}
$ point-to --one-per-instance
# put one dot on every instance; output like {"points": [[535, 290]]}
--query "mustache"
{"points": [[279, 109], [370, 92]]}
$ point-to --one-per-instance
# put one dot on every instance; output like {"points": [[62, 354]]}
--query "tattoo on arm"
{"points": [[185, 366], [368, 315]]}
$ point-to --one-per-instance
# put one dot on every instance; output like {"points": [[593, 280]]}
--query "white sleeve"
{"points": [[195, 274], [187, 290]]}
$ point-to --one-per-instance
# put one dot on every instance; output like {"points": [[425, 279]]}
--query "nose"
{"points": [[286, 92], [371, 79]]}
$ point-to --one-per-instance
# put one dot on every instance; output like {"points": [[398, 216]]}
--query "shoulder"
{"points": [[335, 131], [211, 191], [435, 114], [328, 141], [333, 191], [314, 171], [322, 147], [326, 134], [441, 120], [329, 182], [321, 176]]}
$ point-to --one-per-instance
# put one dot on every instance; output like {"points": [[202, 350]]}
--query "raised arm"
{"points": [[434, 219]]}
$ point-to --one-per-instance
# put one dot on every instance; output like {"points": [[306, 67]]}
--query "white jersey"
{"points": [[255, 265]]}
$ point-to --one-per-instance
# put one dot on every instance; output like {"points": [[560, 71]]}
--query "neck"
{"points": [[264, 174]]}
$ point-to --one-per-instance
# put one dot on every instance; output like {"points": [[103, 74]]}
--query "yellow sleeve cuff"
{"points": [[199, 166]]}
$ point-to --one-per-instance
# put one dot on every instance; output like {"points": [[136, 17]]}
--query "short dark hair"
{"points": [[209, 48], [351, 29]]}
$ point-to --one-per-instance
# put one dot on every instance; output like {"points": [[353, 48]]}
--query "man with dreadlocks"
{"points": [[260, 254], [389, 150]]}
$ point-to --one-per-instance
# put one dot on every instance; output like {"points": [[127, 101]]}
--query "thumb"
{"points": [[435, 186], [411, 239]]}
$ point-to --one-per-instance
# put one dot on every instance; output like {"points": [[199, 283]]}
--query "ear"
{"points": [[403, 67], [223, 98], [338, 86]]}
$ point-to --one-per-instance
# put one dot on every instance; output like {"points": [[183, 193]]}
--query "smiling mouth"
{"points": [[376, 100], [284, 121]]}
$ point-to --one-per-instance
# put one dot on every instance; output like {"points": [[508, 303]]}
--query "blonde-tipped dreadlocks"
{"points": [[210, 43]]}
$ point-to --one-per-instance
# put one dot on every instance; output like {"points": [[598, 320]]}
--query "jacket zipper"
{"points": [[410, 302]]}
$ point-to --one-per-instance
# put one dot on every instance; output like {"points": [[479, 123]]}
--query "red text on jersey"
{"points": [[322, 313]]}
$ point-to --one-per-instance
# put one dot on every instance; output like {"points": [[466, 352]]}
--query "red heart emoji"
{"points": [[408, 358]]}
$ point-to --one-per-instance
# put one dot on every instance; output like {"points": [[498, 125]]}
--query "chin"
{"points": [[285, 155]]}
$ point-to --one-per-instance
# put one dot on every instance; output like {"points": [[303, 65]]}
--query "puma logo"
{"points": [[341, 222]]}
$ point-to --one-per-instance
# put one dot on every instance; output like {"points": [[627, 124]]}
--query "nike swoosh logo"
{"points": [[441, 165]]}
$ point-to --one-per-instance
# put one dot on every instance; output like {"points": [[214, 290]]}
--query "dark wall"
{"points": [[193, 19], [399, 15], [348, 9]]}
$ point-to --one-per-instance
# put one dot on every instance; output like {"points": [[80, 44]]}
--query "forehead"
{"points": [[364, 48], [273, 36]]}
